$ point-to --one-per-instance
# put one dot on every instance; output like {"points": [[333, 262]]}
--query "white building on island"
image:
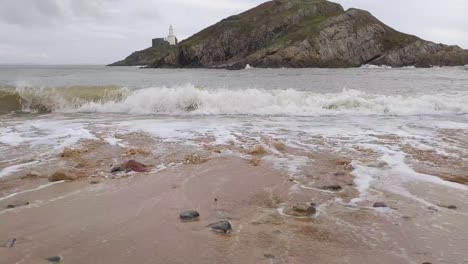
{"points": [[171, 38]]}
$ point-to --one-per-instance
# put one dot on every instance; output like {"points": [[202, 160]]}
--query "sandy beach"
{"points": [[134, 217]]}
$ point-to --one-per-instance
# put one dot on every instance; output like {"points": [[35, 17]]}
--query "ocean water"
{"points": [[372, 115]]}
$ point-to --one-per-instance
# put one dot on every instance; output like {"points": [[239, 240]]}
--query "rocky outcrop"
{"points": [[299, 33]]}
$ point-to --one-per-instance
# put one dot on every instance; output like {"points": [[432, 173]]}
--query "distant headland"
{"points": [[297, 34]]}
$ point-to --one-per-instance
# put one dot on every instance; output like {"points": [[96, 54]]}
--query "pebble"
{"points": [[191, 215], [116, 169], [221, 227], [335, 187], [379, 205], [55, 259], [17, 204]]}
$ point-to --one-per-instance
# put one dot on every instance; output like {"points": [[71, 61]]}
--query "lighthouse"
{"points": [[171, 38]]}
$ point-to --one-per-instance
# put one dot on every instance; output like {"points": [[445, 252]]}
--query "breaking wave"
{"points": [[29, 99], [189, 100]]}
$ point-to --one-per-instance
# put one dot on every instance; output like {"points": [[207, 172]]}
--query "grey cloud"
{"points": [[103, 31]]}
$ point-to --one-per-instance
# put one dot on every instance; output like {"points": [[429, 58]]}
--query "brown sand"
{"points": [[134, 218]]}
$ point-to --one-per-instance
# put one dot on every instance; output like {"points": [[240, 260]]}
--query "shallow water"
{"points": [[402, 133], [380, 110]]}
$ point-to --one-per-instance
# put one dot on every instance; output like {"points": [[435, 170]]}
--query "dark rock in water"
{"points": [[55, 259], [452, 207], [17, 204], [335, 187], [94, 182], [191, 215], [427, 263], [379, 205], [301, 210], [433, 208], [130, 165], [116, 169], [269, 256], [9, 243], [221, 227]]}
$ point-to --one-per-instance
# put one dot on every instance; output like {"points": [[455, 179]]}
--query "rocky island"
{"points": [[299, 34]]}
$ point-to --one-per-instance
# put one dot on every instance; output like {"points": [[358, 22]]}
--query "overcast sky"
{"points": [[103, 31]]}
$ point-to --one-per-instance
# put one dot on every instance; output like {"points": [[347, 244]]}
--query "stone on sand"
{"points": [[133, 165], [17, 204], [54, 259], [130, 165], [451, 207], [379, 205], [334, 187], [190, 215], [221, 227]]}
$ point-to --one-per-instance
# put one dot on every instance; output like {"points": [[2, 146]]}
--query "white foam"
{"points": [[363, 178], [189, 100], [12, 169], [395, 177], [370, 66], [55, 133], [113, 141]]}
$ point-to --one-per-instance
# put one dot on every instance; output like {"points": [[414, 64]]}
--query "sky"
{"points": [[104, 31]]}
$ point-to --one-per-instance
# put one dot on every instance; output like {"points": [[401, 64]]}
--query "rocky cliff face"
{"points": [[300, 33]]}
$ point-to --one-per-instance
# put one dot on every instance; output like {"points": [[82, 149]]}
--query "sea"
{"points": [[395, 125]]}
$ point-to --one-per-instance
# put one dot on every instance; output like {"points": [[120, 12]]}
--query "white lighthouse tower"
{"points": [[171, 38]]}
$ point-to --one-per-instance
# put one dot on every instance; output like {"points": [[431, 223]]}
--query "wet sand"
{"points": [[133, 218]]}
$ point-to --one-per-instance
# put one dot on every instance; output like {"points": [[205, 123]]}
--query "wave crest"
{"points": [[194, 101], [29, 99], [189, 100]]}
